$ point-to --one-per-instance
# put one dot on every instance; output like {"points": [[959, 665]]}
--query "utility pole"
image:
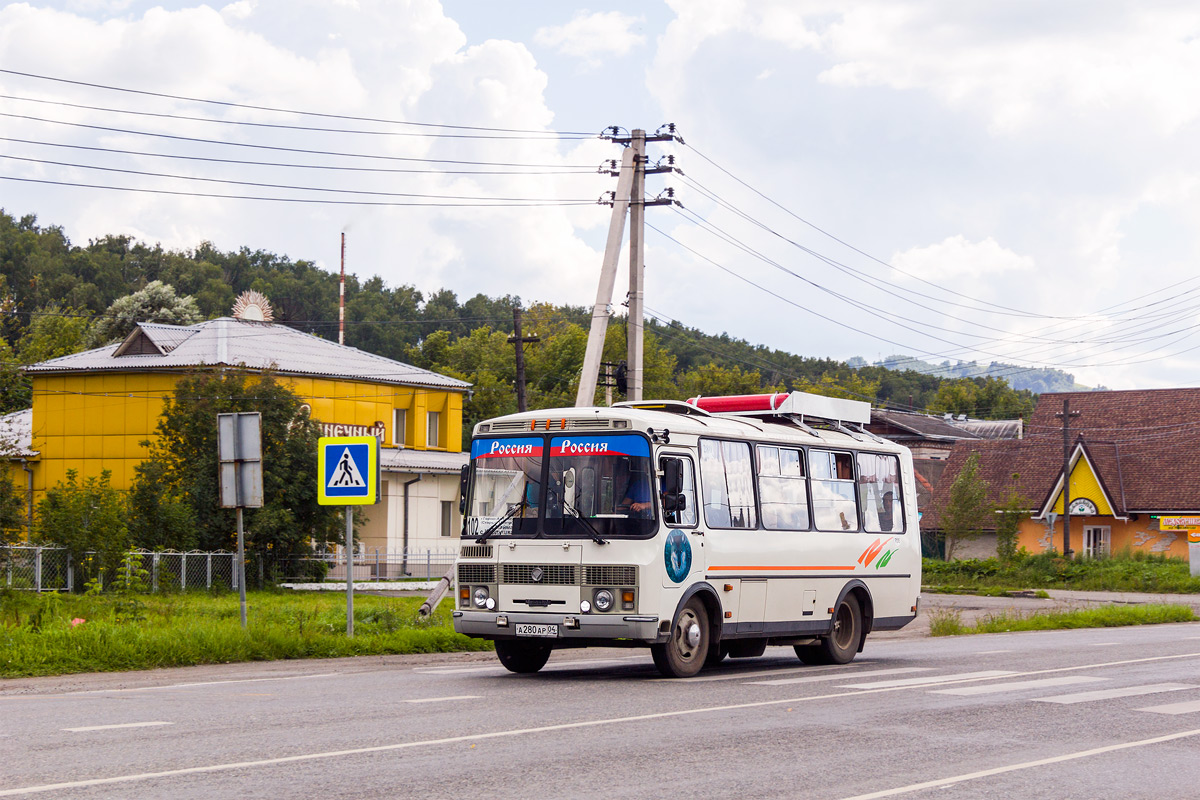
{"points": [[637, 266], [342, 296], [519, 342], [1066, 415], [630, 194]]}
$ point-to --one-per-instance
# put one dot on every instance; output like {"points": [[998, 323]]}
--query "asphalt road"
{"points": [[1063, 714]]}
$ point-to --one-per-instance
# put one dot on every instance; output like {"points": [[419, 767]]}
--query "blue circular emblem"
{"points": [[677, 553]]}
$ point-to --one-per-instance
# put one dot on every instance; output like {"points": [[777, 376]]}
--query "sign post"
{"points": [[239, 452], [1191, 527], [348, 475]]}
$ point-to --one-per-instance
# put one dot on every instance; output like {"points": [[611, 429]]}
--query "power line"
{"points": [[278, 148], [322, 115], [282, 126], [547, 170], [304, 200], [288, 186]]}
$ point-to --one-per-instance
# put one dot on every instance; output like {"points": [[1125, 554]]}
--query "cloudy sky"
{"points": [[1012, 180]]}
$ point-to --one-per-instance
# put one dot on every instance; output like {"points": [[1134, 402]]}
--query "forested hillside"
{"points": [[57, 298]]}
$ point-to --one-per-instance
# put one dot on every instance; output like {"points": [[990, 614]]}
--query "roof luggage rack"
{"points": [[798, 407]]}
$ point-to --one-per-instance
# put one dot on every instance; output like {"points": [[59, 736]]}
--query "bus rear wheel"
{"points": [[523, 657], [683, 654], [840, 646]]}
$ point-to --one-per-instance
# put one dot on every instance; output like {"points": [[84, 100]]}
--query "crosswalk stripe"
{"points": [[820, 678], [1113, 694], [961, 676], [1016, 686], [1174, 708]]}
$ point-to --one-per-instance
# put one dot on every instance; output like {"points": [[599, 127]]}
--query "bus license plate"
{"points": [[530, 629]]}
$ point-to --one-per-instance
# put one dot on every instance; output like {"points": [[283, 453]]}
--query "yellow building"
{"points": [[1132, 463], [92, 410]]}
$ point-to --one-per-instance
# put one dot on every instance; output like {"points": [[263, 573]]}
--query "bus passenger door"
{"points": [[683, 548]]}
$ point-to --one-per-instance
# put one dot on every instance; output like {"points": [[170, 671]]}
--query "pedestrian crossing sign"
{"points": [[347, 470]]}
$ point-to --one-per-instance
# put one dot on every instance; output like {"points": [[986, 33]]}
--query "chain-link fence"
{"points": [[368, 565], [53, 569]]}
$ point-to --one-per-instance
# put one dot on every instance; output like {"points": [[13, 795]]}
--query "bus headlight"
{"points": [[604, 600], [481, 596]]}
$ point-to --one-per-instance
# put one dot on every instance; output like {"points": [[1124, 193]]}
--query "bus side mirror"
{"points": [[463, 475], [672, 486]]}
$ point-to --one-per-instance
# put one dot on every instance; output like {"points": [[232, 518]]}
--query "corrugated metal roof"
{"points": [[257, 345], [395, 460], [16, 431]]}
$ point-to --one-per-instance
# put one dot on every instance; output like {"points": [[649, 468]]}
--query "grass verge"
{"points": [[1122, 572], [948, 622], [39, 635]]}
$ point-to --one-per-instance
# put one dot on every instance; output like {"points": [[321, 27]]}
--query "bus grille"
{"points": [[552, 574], [610, 576], [476, 551], [476, 573]]}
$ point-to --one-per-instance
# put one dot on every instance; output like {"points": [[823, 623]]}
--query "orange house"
{"points": [[1133, 460]]}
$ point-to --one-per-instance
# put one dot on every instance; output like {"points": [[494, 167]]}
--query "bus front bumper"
{"points": [[568, 628]]}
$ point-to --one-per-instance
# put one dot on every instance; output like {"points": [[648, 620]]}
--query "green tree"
{"points": [[83, 516], [157, 302], [16, 391], [12, 510], [1008, 522], [186, 451], [967, 512], [160, 517], [55, 330]]}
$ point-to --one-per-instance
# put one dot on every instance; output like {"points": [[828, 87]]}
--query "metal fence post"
{"points": [[428, 568], [154, 573], [70, 573], [37, 569], [183, 572], [377, 563], [208, 572]]}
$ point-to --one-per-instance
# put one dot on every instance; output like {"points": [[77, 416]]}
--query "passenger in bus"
{"points": [[885, 513]]}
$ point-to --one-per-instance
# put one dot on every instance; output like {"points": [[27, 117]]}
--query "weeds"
{"points": [[1133, 571], [948, 622], [190, 628]]}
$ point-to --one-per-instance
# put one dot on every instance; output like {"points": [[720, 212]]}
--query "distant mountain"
{"points": [[1038, 381]]}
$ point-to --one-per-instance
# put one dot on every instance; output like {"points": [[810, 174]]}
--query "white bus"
{"points": [[702, 530]]}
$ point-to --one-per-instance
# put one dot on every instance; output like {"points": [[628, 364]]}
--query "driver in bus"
{"points": [[638, 499]]}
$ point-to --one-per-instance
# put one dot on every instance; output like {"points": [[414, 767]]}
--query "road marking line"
{"points": [[990, 652], [847, 671], [820, 678], [1103, 644], [1017, 686], [498, 668], [114, 727], [440, 699], [269, 762], [1114, 694], [986, 773], [1174, 708], [167, 687], [929, 679]]}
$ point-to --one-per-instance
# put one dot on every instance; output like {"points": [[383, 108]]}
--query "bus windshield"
{"points": [[594, 486]]}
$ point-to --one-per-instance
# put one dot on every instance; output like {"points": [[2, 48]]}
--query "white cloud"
{"points": [[956, 257], [238, 10], [593, 36]]}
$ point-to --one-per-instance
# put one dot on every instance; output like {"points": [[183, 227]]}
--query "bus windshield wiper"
{"points": [[495, 526], [574, 512]]}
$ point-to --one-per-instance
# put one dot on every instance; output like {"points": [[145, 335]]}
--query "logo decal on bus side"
{"points": [[875, 548], [677, 553]]}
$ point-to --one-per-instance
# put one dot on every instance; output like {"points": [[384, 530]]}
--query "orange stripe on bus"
{"points": [[781, 567]]}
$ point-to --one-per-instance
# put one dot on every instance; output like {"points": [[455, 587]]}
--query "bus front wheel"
{"points": [[683, 654], [521, 656], [842, 642]]}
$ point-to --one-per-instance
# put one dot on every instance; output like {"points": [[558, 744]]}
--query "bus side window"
{"points": [[727, 476], [685, 516], [781, 489], [879, 493], [834, 507]]}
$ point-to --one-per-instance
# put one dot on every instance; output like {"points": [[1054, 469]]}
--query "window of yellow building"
{"points": [[431, 435], [399, 426]]}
